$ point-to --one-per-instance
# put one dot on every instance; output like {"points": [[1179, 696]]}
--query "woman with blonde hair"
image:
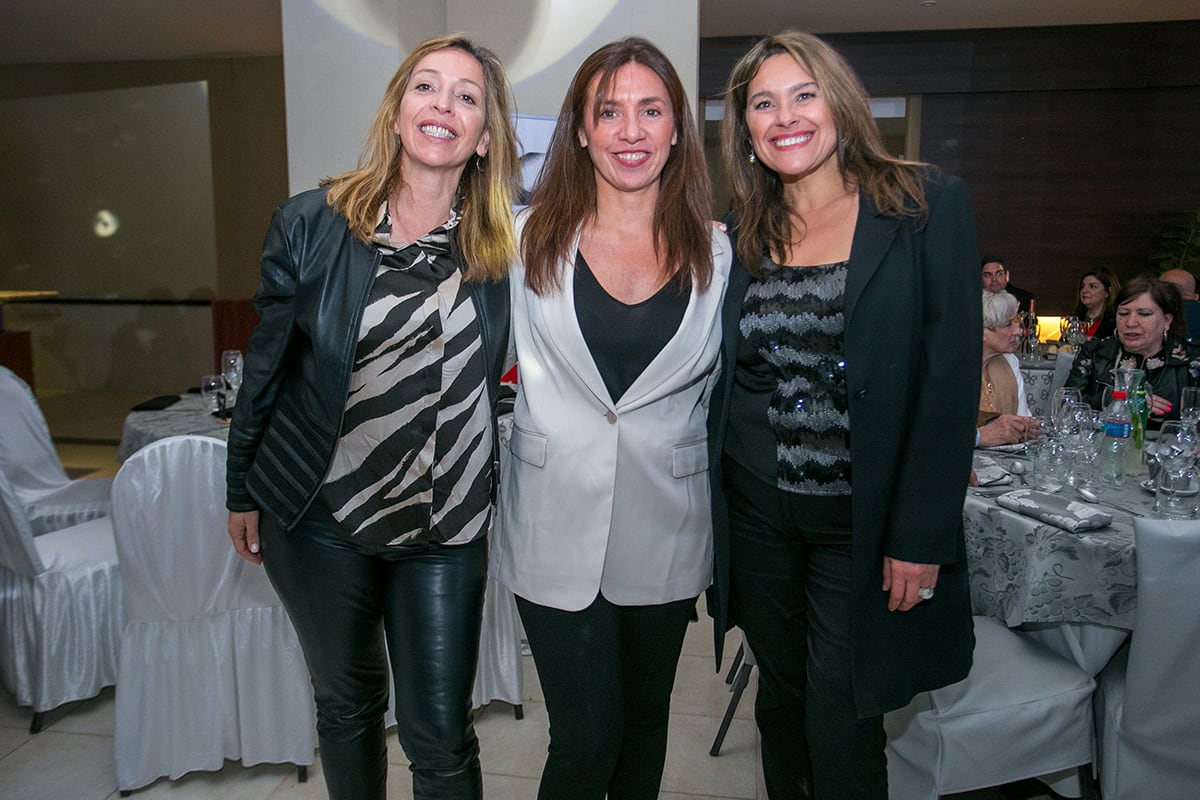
{"points": [[851, 356], [360, 456], [604, 531]]}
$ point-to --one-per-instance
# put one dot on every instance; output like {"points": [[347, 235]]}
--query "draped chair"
{"points": [[1148, 703], [50, 499], [1022, 712], [210, 667], [60, 609]]}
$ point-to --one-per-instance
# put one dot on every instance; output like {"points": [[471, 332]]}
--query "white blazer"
{"points": [[600, 497]]}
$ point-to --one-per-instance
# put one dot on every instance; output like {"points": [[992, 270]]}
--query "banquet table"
{"points": [[1073, 592], [186, 417], [1024, 570]]}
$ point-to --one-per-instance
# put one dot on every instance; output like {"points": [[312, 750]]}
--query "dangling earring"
{"points": [[753, 158], [479, 163]]}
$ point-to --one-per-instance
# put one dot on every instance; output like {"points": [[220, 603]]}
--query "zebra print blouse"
{"points": [[414, 461]]}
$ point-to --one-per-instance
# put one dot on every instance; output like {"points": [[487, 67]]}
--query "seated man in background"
{"points": [[995, 279], [1186, 282]]}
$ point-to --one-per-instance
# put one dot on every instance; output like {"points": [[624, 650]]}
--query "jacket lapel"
{"points": [[562, 326], [686, 354], [873, 237]]}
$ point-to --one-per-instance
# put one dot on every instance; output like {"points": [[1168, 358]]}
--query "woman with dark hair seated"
{"points": [[1149, 337], [1097, 302]]}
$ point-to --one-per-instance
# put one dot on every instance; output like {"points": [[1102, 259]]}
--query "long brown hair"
{"points": [[760, 207], [488, 186], [565, 196]]}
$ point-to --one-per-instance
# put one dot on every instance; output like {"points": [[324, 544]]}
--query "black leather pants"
{"points": [[427, 602]]}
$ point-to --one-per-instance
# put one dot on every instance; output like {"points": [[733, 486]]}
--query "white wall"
{"points": [[340, 54]]}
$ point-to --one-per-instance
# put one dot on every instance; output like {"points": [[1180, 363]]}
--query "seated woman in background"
{"points": [[1003, 410], [1097, 302], [1149, 337]]}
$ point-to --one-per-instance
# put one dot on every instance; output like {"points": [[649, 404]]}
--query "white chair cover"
{"points": [[60, 608], [1022, 712], [50, 499], [499, 674], [1148, 705], [210, 665]]}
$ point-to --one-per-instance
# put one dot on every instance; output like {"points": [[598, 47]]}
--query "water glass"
{"points": [[231, 370], [1177, 494], [212, 392], [1189, 405], [1052, 465]]}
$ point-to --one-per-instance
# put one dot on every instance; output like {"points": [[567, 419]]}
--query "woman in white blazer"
{"points": [[604, 530]]}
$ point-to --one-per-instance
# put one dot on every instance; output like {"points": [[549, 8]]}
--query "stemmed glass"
{"points": [[231, 370], [212, 392], [1063, 403], [1175, 453], [1189, 405]]}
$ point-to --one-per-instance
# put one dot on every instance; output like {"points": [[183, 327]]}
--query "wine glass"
{"points": [[212, 392], [231, 370], [1062, 405]]}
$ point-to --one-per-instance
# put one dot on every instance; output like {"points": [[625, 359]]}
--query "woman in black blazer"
{"points": [[851, 362]]}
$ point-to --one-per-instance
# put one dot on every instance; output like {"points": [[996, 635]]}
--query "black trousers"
{"points": [[344, 600], [790, 588], [607, 673]]}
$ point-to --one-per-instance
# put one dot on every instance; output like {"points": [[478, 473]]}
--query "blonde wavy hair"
{"points": [[488, 186]]}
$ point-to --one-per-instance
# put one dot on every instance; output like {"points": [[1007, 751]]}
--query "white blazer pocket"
{"points": [[689, 459], [528, 446]]}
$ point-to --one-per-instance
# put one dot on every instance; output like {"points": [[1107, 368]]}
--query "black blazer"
{"points": [[912, 349]]}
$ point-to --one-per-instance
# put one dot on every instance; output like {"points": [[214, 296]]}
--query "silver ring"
{"points": [[925, 593]]}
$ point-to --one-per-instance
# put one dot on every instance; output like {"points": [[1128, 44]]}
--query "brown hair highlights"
{"points": [[565, 197], [761, 211]]}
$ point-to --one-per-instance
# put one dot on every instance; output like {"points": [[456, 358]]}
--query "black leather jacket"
{"points": [[1178, 366], [315, 279]]}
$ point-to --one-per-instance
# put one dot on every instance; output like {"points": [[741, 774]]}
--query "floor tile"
{"points": [[700, 690], [691, 770], [54, 766], [94, 716], [513, 747], [232, 782]]}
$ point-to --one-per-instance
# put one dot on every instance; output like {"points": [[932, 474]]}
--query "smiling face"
{"points": [[441, 117], [792, 130], [995, 277], [1141, 325], [630, 140], [1092, 294]]}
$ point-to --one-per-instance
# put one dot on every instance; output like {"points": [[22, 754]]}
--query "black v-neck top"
{"points": [[624, 339]]}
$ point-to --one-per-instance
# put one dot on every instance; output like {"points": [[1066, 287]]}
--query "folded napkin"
{"points": [[157, 403], [990, 473], [1062, 512], [1004, 448]]}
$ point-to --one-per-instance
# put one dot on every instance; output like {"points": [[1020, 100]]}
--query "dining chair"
{"points": [[738, 678], [51, 500], [60, 609], [1022, 712], [1148, 702], [210, 665]]}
